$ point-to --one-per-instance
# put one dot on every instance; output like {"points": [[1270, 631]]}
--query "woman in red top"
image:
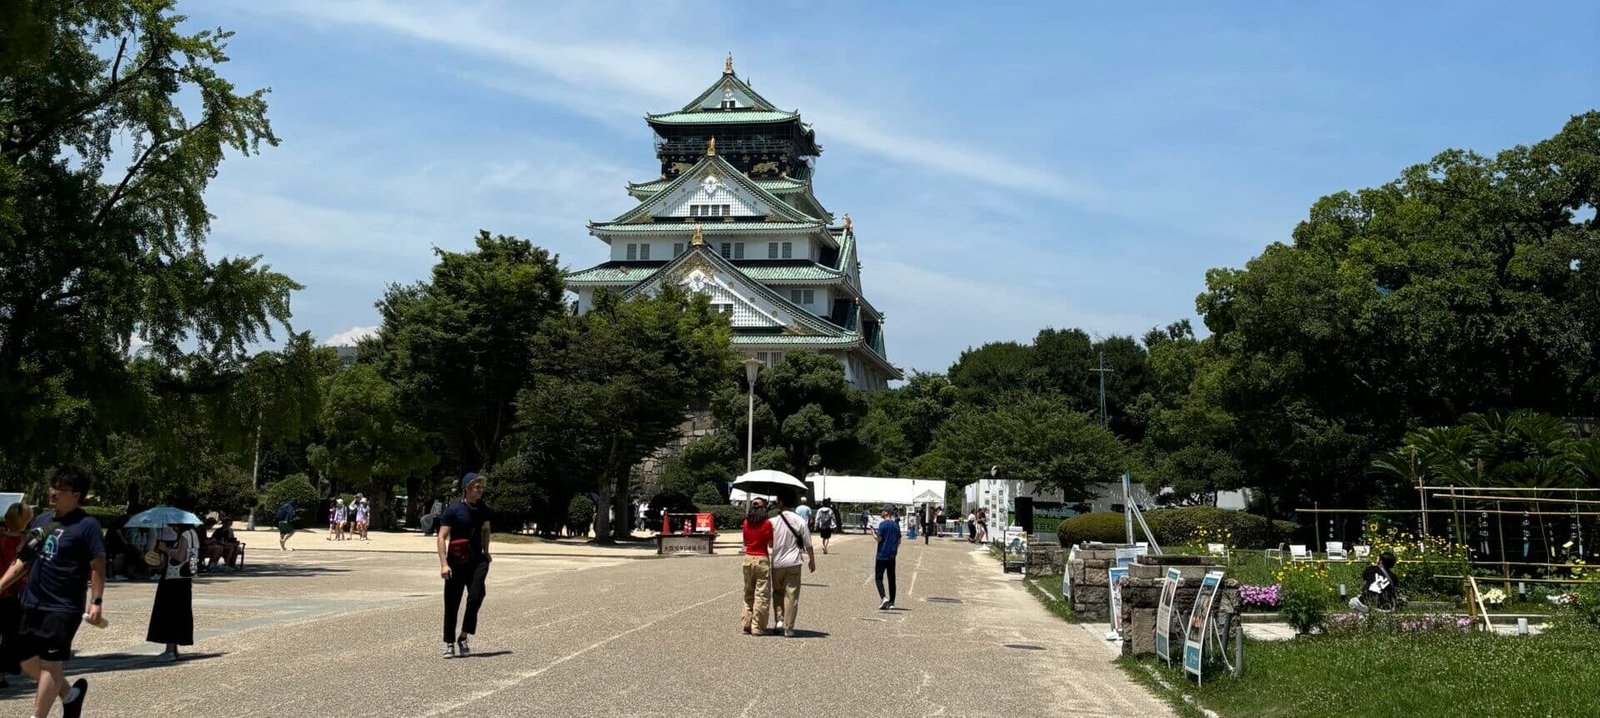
{"points": [[18, 516], [757, 569]]}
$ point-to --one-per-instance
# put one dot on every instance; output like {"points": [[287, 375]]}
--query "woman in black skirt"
{"points": [[172, 615]]}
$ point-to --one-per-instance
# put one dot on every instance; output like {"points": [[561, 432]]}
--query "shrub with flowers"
{"points": [[1355, 623], [1493, 597], [1304, 594], [1421, 559], [1259, 596], [1582, 600]]}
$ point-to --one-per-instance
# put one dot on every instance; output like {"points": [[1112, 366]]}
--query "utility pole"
{"points": [[1102, 371]]}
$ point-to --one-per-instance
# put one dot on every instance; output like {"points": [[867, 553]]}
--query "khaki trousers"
{"points": [[786, 593], [756, 571]]}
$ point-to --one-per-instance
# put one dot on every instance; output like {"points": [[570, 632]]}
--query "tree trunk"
{"points": [[602, 519], [623, 531]]}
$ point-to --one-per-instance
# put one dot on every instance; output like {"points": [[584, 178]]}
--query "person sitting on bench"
{"points": [[225, 546]]}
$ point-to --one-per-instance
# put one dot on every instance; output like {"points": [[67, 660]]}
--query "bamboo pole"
{"points": [[1413, 511], [1558, 581], [1505, 565], [1506, 488], [1534, 500]]}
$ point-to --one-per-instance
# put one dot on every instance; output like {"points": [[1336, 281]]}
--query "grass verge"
{"points": [[1419, 675], [1048, 591]]}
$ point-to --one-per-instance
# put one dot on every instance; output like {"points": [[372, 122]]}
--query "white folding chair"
{"points": [[1217, 549], [1363, 551], [1336, 551], [1299, 552]]}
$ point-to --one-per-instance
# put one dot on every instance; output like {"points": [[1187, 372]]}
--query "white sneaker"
{"points": [[883, 605], [780, 624], [449, 650]]}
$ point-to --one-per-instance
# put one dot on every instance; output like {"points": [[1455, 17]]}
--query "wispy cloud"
{"points": [[350, 337], [608, 80]]}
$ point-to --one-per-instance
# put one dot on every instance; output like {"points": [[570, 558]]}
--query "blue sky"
{"points": [[1009, 166]]}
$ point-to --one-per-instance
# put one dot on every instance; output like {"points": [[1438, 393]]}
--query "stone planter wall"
{"points": [[1091, 590], [1141, 595], [1044, 559]]}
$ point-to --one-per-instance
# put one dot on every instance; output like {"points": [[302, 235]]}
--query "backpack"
{"points": [[824, 518]]}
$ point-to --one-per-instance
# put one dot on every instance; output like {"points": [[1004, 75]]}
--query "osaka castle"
{"points": [[734, 216]]}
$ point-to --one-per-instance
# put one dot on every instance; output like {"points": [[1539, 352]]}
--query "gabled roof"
{"points": [[779, 186], [726, 172], [617, 272], [730, 81], [703, 254]]}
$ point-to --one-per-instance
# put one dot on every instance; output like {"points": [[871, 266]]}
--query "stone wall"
{"points": [[1141, 595], [1087, 574], [648, 473], [1044, 559]]}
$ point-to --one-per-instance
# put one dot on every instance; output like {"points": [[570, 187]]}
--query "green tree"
{"points": [[611, 387], [459, 347], [1037, 439], [365, 442], [115, 121], [992, 372], [1469, 284]]}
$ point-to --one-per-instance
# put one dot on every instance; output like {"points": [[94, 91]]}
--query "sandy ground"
{"points": [[355, 633]]}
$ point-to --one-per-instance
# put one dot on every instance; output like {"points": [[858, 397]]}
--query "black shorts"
{"points": [[825, 533], [47, 634]]}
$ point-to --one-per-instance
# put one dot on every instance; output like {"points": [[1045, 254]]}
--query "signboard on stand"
{"points": [[1115, 575], [1014, 550], [1169, 591], [1066, 574], [1194, 637]]}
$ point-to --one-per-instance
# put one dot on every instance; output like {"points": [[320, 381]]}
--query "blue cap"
{"points": [[468, 479]]}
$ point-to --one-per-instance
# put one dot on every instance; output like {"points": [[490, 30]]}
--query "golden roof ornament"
{"points": [[699, 238], [711, 148], [846, 220], [727, 65]]}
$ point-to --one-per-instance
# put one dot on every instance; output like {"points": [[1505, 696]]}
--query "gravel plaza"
{"points": [[349, 630]]}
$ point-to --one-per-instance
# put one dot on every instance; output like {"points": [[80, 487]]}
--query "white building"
{"points": [[733, 216]]}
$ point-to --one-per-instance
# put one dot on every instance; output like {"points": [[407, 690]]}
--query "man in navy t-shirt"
{"points": [[888, 537], [464, 562], [63, 556]]}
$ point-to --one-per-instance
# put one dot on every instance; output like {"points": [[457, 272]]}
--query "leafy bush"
{"points": [[1236, 528], [1304, 595], [105, 515], [709, 495], [580, 511], [1420, 560], [1284, 532], [1104, 527], [227, 492], [297, 487], [726, 517]]}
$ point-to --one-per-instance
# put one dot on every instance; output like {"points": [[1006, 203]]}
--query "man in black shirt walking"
{"points": [[464, 562], [63, 554]]}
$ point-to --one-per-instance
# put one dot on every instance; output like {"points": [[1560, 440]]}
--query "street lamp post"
{"points": [[751, 366]]}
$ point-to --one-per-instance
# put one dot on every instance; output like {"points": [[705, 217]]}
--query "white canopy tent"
{"points": [[866, 490], [877, 490]]}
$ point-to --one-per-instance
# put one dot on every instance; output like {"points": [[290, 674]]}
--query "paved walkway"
{"points": [[266, 540], [353, 633]]}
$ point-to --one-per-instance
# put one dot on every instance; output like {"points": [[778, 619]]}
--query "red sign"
{"points": [[704, 524]]}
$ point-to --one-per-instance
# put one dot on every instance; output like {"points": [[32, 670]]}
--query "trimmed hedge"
{"points": [[1175, 526], [726, 517], [1103, 527], [294, 486]]}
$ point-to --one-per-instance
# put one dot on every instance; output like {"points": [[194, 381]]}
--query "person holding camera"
{"points": [[63, 557]]}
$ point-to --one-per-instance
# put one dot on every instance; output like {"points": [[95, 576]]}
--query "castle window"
{"points": [[727, 250], [677, 248], [788, 250], [644, 252], [710, 210], [802, 296], [772, 250], [738, 250], [722, 307], [633, 252]]}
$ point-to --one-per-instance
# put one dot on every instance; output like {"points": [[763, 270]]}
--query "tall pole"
{"points": [[751, 366], [1102, 371], [255, 475]]}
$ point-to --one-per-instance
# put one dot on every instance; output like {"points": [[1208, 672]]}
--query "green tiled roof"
{"points": [[787, 339], [721, 117], [720, 167], [608, 273], [718, 227], [633, 272]]}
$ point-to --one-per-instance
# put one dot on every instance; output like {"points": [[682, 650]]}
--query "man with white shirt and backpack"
{"points": [[790, 539]]}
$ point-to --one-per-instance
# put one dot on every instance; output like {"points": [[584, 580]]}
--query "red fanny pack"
{"points": [[459, 552]]}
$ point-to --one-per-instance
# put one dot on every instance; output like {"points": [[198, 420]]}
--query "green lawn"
{"points": [[1415, 675]]}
